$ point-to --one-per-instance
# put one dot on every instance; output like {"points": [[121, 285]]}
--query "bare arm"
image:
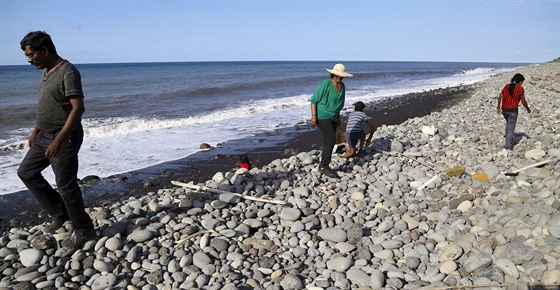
{"points": [[73, 120], [32, 136], [524, 102], [372, 130], [313, 115], [498, 109]]}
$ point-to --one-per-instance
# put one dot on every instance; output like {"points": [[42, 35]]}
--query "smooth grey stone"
{"points": [[291, 281], [358, 277], [332, 234], [519, 253], [140, 236]]}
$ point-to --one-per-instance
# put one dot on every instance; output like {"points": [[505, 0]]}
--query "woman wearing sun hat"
{"points": [[326, 103]]}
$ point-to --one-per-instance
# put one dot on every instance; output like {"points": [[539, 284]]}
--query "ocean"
{"points": [[143, 114]]}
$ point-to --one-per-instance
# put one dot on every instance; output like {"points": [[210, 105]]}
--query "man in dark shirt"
{"points": [[56, 140]]}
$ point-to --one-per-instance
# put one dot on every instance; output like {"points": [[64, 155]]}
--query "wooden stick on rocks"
{"points": [[196, 187], [515, 172]]}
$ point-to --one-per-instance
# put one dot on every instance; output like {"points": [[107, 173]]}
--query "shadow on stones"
{"points": [[517, 137], [544, 287]]}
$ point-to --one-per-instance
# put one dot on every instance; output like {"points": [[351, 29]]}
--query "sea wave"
{"points": [[106, 127], [479, 71]]}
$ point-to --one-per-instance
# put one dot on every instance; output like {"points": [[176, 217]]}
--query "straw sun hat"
{"points": [[339, 70]]}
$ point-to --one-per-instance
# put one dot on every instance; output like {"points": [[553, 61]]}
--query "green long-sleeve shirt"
{"points": [[329, 102]]}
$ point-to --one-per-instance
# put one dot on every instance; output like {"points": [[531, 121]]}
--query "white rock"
{"points": [[465, 206], [554, 226], [31, 257], [430, 130], [507, 267], [535, 154], [377, 280], [448, 267]]}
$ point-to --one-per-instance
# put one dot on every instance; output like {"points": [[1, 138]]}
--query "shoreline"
{"points": [[201, 166]]}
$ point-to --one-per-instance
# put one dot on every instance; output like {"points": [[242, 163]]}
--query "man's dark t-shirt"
{"points": [[55, 90]]}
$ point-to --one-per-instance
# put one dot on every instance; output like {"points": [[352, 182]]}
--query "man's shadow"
{"points": [[517, 137]]}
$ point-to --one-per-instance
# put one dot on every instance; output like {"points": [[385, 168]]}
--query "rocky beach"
{"points": [[433, 203]]}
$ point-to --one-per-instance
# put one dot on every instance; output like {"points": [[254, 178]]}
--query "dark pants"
{"points": [[511, 121], [328, 128], [67, 203]]}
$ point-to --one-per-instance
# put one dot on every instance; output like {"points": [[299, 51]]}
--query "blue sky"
{"points": [[98, 31]]}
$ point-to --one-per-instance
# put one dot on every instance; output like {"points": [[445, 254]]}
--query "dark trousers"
{"points": [[67, 202], [328, 128], [511, 121]]}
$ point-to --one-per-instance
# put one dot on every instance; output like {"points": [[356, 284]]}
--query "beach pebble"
{"points": [[291, 281], [140, 236], [519, 253], [43, 242], [377, 279], [551, 277], [340, 264], [290, 214], [358, 277], [448, 267], [477, 261], [302, 192], [535, 154], [201, 259], [507, 267], [450, 252], [30, 257], [104, 282], [554, 225], [113, 244], [332, 234]]}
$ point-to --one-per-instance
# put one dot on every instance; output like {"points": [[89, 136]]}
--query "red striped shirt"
{"points": [[512, 101]]}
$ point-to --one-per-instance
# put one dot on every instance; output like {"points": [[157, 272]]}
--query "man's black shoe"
{"points": [[79, 238], [55, 224], [328, 172]]}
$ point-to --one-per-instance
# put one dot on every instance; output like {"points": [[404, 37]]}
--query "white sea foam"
{"points": [[479, 71]]}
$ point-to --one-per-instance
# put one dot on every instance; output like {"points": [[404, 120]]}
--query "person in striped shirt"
{"points": [[508, 103], [355, 132]]}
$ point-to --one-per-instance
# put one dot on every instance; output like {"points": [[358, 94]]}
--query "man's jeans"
{"points": [[68, 201], [511, 121]]}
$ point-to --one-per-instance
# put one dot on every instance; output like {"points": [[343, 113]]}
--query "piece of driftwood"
{"points": [[181, 242], [402, 155], [428, 182], [515, 172], [253, 198]]}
